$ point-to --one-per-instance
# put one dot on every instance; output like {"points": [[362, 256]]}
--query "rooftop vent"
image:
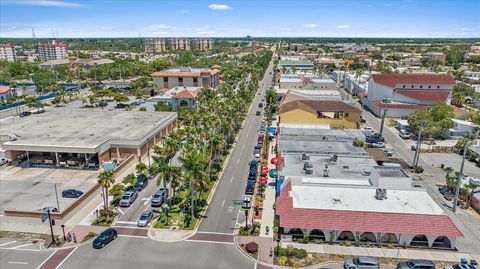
{"points": [[381, 194]]}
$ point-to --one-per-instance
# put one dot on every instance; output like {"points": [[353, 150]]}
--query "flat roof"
{"points": [[363, 199], [385, 171], [307, 144], [346, 167], [295, 62], [70, 130], [320, 132]]}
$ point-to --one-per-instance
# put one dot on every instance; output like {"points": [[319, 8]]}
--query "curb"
{"points": [[235, 242], [167, 241]]}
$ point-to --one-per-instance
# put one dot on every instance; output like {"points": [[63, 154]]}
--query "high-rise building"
{"points": [[162, 44], [54, 51], [7, 52]]}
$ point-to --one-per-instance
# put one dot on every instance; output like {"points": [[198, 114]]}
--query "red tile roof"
{"points": [[361, 221], [426, 95], [380, 104], [392, 80], [4, 89], [185, 94]]}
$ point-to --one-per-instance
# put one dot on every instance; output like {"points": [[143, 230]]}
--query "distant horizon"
{"points": [[252, 37], [238, 18]]}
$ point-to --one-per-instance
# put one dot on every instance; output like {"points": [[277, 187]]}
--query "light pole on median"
{"points": [[385, 101]]}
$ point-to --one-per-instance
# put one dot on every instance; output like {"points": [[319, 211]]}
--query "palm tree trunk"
{"points": [[192, 200], [106, 199]]}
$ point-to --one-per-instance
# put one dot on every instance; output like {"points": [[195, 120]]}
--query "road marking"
{"points": [[48, 258], [230, 209], [23, 249], [8, 243], [120, 210], [200, 232], [64, 259], [18, 263], [255, 265], [147, 200], [243, 147], [24, 245], [127, 222], [223, 203], [231, 180], [133, 236], [238, 161], [207, 241]]}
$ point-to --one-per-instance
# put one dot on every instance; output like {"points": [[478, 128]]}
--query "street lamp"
{"points": [[63, 231], [385, 101]]}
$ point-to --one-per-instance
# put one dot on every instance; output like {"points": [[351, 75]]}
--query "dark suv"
{"points": [[104, 238], [416, 264], [142, 182]]}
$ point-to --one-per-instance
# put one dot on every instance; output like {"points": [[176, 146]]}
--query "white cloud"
{"points": [[388, 4], [466, 29], [207, 32], [219, 7], [286, 29], [311, 25], [184, 11], [107, 28], [46, 3], [159, 27], [343, 26]]}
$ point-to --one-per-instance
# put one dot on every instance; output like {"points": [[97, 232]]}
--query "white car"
{"points": [[257, 155]]}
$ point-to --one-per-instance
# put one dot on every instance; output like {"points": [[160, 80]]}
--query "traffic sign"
{"points": [[44, 217], [238, 202]]}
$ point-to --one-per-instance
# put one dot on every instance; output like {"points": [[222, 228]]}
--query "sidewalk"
{"points": [[268, 213], [448, 256]]}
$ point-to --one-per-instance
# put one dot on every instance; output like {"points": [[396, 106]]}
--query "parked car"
{"points": [[159, 197], [257, 155], [416, 264], [463, 266], [405, 134], [388, 152], [142, 182], [413, 147], [52, 209], [144, 219], [249, 189], [252, 178], [121, 105], [253, 163], [128, 198], [25, 114], [71, 193], [376, 145], [361, 263], [253, 171], [258, 113], [104, 238]]}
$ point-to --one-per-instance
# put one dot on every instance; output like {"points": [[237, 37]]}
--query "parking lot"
{"points": [[452, 160], [34, 188]]}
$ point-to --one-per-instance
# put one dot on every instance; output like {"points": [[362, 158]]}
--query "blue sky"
{"points": [[281, 18]]}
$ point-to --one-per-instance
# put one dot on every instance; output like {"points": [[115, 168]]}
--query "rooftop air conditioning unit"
{"points": [[305, 157], [381, 194]]}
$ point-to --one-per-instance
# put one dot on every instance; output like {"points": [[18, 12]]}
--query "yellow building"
{"points": [[337, 114]]}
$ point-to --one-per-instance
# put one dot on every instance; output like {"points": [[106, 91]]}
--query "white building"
{"points": [[461, 128], [305, 82], [7, 52], [186, 77], [53, 51], [405, 93]]}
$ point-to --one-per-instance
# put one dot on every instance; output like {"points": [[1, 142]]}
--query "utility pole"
{"points": [[385, 101], [459, 178], [56, 196], [51, 222], [417, 149]]}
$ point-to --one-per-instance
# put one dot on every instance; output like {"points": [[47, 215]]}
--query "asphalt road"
{"points": [[138, 253], [221, 216]]}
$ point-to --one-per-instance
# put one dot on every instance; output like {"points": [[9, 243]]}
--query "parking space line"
{"points": [[24, 245], [23, 263], [8, 243]]}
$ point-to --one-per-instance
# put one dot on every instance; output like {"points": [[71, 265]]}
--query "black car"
{"points": [[260, 105], [71, 193], [142, 182], [258, 113], [25, 114], [104, 238], [121, 105]]}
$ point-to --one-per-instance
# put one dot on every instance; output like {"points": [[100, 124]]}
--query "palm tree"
{"points": [[193, 163], [448, 170], [106, 178], [470, 188], [130, 179], [141, 168]]}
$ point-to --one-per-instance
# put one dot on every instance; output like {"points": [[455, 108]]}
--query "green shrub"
{"points": [[347, 243], [318, 241], [89, 236], [299, 253], [282, 260]]}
